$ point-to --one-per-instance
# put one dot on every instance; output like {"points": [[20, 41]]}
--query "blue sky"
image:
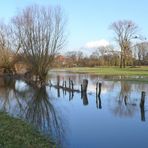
{"points": [[88, 20]]}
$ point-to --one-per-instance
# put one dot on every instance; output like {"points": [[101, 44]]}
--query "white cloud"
{"points": [[96, 44]]}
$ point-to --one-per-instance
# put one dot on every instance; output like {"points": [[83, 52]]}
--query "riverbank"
{"points": [[17, 133], [138, 74], [116, 71]]}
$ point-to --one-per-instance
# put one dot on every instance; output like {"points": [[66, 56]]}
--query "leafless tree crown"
{"points": [[40, 35], [125, 31]]}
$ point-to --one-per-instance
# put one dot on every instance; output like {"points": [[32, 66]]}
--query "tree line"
{"points": [[105, 56], [131, 49]]}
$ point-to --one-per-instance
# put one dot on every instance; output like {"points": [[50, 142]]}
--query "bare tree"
{"points": [[39, 32], [125, 31], [108, 56], [95, 55], [6, 54], [72, 55], [142, 51]]}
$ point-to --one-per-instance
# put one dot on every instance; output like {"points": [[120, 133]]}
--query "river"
{"points": [[115, 119]]}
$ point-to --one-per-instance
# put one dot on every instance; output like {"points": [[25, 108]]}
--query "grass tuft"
{"points": [[15, 133]]}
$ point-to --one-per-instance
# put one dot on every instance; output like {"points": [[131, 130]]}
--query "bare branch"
{"points": [[40, 31]]}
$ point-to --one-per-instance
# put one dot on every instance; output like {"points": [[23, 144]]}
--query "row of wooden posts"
{"points": [[84, 86], [83, 91], [70, 88]]}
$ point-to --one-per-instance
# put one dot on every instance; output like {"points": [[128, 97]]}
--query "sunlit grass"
{"points": [[15, 133], [128, 71]]}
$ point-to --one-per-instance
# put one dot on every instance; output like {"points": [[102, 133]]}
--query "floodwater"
{"points": [[115, 119]]}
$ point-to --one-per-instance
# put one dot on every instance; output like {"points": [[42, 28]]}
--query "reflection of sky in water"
{"points": [[80, 122], [21, 86], [115, 125]]}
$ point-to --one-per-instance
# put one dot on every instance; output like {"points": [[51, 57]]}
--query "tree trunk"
{"points": [[121, 60], [124, 63], [124, 58]]}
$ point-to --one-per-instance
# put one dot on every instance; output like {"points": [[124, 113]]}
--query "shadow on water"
{"points": [[98, 101], [7, 84], [32, 105], [41, 113], [124, 106], [84, 98]]}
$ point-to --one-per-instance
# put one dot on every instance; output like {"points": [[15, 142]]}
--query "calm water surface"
{"points": [[108, 121]]}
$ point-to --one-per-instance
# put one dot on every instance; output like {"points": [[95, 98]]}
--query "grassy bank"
{"points": [[15, 133], [128, 71]]}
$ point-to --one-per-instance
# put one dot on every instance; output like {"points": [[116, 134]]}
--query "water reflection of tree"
{"points": [[7, 84], [124, 106], [33, 105], [42, 114], [125, 90]]}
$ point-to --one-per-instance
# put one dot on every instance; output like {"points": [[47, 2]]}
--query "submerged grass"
{"points": [[15, 133]]}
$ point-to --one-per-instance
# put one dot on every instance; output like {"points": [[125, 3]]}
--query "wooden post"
{"points": [[100, 85], [58, 91], [65, 87], [98, 93], [58, 81], [81, 88], [100, 104], [81, 92], [85, 99], [98, 101], [69, 83], [65, 84], [125, 100], [84, 85], [72, 94], [142, 106], [84, 91], [72, 85], [97, 88], [142, 98]]}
